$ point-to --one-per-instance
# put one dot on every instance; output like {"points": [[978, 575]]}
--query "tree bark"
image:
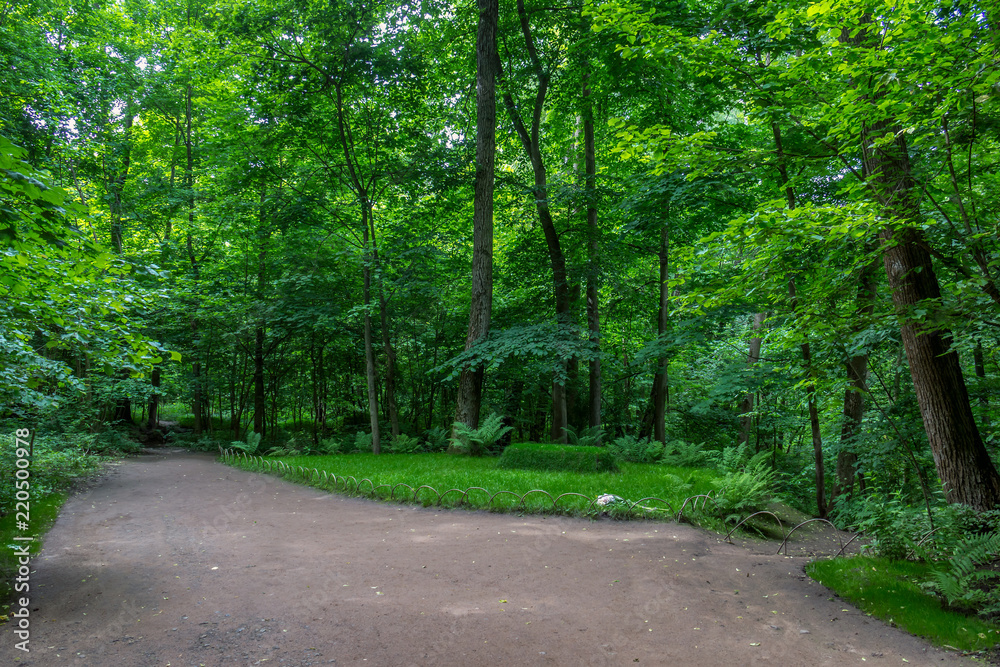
{"points": [[967, 473], [470, 381], [369, 350]]}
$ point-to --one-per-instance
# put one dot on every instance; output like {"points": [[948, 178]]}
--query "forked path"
{"points": [[175, 559]]}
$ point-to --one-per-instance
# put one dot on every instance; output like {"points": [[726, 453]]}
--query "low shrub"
{"points": [[576, 458]]}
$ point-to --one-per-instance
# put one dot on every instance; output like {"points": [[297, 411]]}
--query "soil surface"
{"points": [[175, 559]]}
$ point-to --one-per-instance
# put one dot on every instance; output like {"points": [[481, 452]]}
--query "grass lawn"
{"points": [[444, 472], [44, 511], [890, 591]]}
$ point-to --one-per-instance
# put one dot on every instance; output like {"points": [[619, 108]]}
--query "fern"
{"points": [[630, 448], [963, 584], [405, 444], [686, 454], [747, 490], [588, 437], [250, 445], [363, 441], [479, 440]]}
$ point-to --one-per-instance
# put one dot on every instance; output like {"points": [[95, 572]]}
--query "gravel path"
{"points": [[173, 559]]}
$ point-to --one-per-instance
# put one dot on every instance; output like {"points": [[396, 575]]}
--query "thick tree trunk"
{"points": [[470, 381], [967, 473], [753, 356]]}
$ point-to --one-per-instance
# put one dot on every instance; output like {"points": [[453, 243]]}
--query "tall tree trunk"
{"points": [[661, 388], [370, 375], [753, 356], [530, 142], [967, 473], [259, 404], [817, 438], [116, 185], [390, 353], [470, 381], [197, 398], [593, 259]]}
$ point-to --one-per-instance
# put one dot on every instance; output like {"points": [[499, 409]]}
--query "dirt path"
{"points": [[174, 559]]}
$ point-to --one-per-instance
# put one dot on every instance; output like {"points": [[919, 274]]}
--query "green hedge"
{"points": [[530, 456]]}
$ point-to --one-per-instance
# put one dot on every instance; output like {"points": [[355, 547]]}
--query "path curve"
{"points": [[174, 559]]}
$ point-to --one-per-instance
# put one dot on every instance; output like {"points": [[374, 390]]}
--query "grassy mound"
{"points": [[529, 456]]}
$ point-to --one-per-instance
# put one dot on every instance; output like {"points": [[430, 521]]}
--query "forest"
{"points": [[673, 225]]}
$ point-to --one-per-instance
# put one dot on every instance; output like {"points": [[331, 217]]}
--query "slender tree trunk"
{"points": [[116, 185], [593, 259], [470, 381], [530, 142], [814, 428], [854, 395], [753, 356], [154, 399], [661, 387], [370, 374], [259, 400]]}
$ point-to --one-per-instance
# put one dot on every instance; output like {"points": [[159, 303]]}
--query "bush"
{"points": [[528, 456]]}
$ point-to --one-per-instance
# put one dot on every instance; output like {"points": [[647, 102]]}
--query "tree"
{"points": [[470, 382]]}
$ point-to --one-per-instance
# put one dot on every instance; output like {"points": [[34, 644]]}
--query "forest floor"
{"points": [[174, 559]]}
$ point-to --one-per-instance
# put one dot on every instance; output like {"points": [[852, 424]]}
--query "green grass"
{"points": [[634, 481], [44, 511], [890, 591]]}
